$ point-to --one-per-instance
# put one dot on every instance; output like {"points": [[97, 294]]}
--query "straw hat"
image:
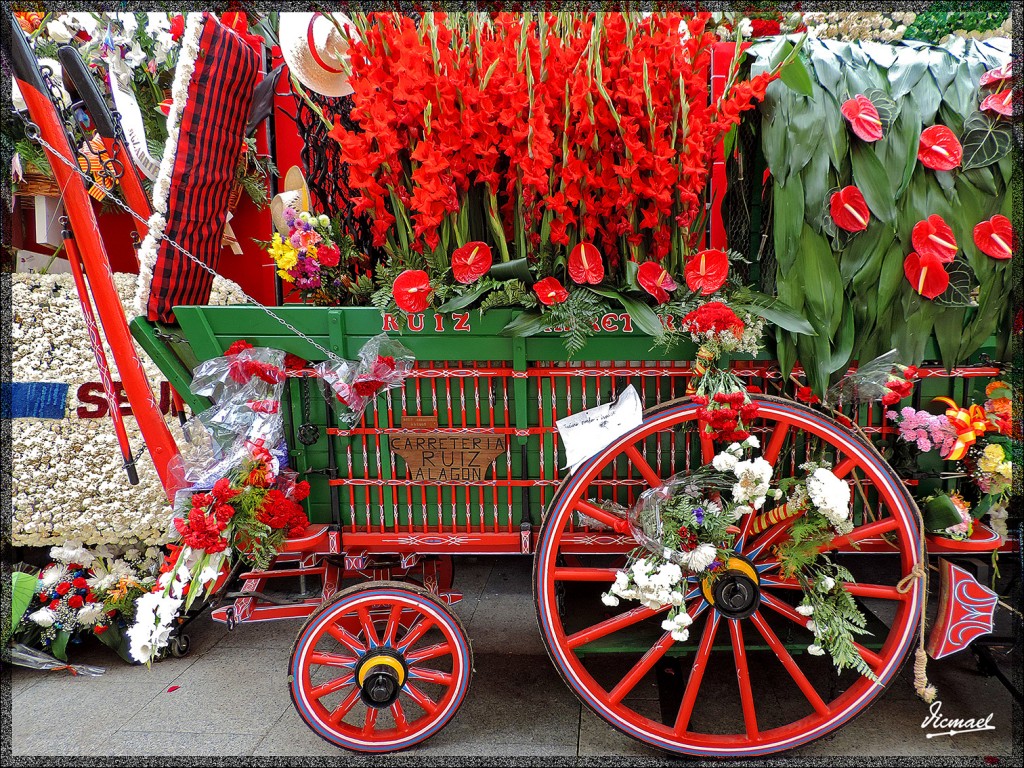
{"points": [[315, 50], [295, 195]]}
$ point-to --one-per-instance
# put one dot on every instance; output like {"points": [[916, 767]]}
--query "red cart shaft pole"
{"points": [[77, 202], [74, 259]]}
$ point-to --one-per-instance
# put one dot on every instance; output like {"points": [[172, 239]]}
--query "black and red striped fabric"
{"points": [[209, 142]]}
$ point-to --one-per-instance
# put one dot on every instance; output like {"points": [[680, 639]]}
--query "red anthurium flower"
{"points": [[471, 262], [164, 107], [995, 237], [654, 279], [996, 76], [706, 271], [933, 237], [926, 274], [412, 290], [863, 118], [1001, 102], [585, 264], [939, 149], [550, 291], [849, 209]]}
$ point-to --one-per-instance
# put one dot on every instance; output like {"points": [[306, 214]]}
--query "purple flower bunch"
{"points": [[925, 430]]}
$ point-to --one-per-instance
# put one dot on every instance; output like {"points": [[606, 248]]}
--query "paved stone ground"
{"points": [[232, 697]]}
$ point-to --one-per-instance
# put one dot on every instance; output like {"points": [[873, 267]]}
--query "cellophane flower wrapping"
{"points": [[247, 389], [24, 656], [383, 364]]}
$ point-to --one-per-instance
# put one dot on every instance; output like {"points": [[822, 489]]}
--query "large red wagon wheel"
{"points": [[739, 657], [380, 667]]}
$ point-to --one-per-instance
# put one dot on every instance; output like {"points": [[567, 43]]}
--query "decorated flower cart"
{"points": [[687, 516]]}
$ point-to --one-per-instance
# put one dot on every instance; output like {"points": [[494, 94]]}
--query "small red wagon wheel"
{"points": [[739, 657], [380, 667]]}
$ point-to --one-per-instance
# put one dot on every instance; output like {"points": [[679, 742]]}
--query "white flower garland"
{"points": [[162, 186], [67, 478]]}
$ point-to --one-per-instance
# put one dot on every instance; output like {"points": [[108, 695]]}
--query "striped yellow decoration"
{"points": [[768, 519], [700, 367]]}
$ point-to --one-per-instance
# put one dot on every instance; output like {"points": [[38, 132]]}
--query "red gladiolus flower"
{"points": [[177, 27], [1001, 102], [849, 210], [926, 275], [654, 279], [933, 237], [471, 262], [995, 76], [412, 290], [995, 237], [706, 271], [550, 291], [585, 264], [939, 149], [863, 118]]}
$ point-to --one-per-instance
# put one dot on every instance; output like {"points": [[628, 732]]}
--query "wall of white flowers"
{"points": [[67, 472]]}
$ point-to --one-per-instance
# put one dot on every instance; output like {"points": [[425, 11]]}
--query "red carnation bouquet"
{"points": [[552, 162]]}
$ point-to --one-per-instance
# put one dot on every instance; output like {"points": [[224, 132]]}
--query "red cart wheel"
{"points": [[731, 703], [380, 667]]}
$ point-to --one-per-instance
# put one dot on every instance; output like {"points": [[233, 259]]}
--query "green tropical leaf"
{"points": [[872, 179], [525, 324], [795, 75], [644, 318], [842, 344], [59, 646], [949, 329], [905, 73], [774, 311], [788, 205], [984, 146], [888, 110], [822, 284], [23, 587], [827, 67], [463, 301]]}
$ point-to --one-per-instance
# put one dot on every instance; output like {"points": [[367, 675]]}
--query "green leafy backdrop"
{"points": [[851, 286]]}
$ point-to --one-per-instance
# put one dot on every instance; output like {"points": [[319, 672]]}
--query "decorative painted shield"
{"points": [[965, 611]]}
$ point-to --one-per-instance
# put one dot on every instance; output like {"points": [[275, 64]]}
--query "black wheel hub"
{"points": [[380, 674], [735, 593]]}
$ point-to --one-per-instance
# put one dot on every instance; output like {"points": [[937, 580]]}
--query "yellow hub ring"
{"points": [[732, 564], [387, 661]]}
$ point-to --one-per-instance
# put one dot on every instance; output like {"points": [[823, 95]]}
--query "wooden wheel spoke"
{"points": [[333, 686], [347, 639], [426, 703], [369, 631], [700, 661], [370, 723], [401, 723], [392, 626], [791, 666], [331, 659], [739, 655], [345, 707], [770, 535], [430, 675], [616, 523], [585, 574], [707, 448], [608, 626], [416, 631], [874, 661], [641, 465], [428, 652], [842, 469], [774, 447], [866, 531], [649, 659], [879, 591]]}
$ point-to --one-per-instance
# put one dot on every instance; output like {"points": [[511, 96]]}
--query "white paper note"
{"points": [[586, 433]]}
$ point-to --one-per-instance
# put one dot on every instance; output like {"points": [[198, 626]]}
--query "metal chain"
{"points": [[128, 209]]}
